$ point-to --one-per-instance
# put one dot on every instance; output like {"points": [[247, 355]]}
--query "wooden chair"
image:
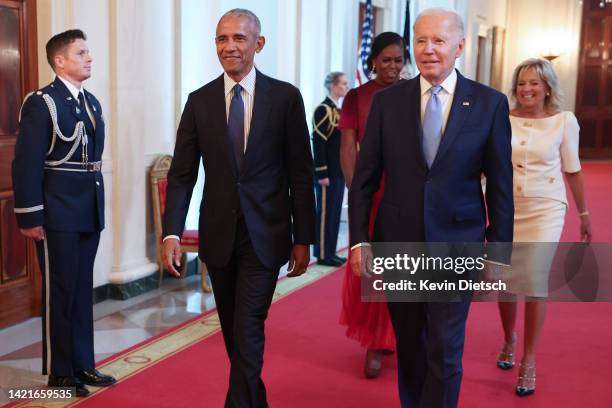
{"points": [[190, 239]]}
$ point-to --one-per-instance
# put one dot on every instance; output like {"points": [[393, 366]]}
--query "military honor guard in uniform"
{"points": [[329, 184], [59, 202]]}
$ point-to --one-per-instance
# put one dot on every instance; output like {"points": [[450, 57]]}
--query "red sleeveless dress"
{"points": [[366, 322]]}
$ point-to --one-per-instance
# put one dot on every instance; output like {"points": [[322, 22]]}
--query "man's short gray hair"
{"points": [[239, 12], [443, 10]]}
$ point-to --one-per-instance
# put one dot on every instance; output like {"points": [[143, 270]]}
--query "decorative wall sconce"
{"points": [[602, 3], [552, 43]]}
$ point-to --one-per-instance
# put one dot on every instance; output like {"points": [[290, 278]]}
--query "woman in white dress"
{"points": [[544, 145]]}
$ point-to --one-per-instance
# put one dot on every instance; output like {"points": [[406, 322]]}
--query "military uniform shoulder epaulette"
{"points": [[45, 89], [38, 93], [328, 103], [48, 87], [25, 99]]}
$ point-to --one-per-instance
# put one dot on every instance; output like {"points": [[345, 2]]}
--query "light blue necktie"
{"points": [[235, 126], [432, 125]]}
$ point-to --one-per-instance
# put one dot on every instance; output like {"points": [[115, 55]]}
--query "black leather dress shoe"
{"points": [[339, 258], [330, 262], [95, 378], [68, 382]]}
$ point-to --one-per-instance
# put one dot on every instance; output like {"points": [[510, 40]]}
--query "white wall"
{"points": [[313, 51], [479, 16], [286, 56], [534, 26], [160, 94], [342, 49], [198, 65]]}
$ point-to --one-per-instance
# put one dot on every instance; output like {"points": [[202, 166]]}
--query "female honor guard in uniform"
{"points": [[59, 202], [329, 185]]}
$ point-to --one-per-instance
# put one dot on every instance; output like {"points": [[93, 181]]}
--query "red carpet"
{"points": [[598, 193], [309, 362]]}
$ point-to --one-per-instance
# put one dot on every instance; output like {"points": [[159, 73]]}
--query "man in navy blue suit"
{"points": [[432, 150], [257, 209], [59, 202]]}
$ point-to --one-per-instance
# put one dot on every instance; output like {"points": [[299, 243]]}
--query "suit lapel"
{"points": [[414, 103], [218, 121], [99, 127], [261, 107], [460, 109], [94, 109]]}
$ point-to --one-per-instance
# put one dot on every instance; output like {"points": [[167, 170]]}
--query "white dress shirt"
{"points": [[248, 96], [445, 96]]}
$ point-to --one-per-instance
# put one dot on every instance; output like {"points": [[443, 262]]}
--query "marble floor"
{"points": [[118, 325]]}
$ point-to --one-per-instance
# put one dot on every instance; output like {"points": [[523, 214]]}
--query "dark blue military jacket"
{"points": [[61, 197], [326, 140]]}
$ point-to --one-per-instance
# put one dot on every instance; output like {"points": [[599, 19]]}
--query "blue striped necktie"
{"points": [[432, 126], [235, 125]]}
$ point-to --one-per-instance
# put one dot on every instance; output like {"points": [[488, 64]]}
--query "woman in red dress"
{"points": [[368, 323]]}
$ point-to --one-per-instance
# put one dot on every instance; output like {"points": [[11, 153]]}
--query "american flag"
{"points": [[363, 73], [407, 32]]}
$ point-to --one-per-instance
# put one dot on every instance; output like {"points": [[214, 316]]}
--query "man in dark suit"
{"points": [[59, 202], [257, 209], [432, 150]]}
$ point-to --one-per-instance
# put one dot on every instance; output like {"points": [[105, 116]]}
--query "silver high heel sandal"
{"points": [[505, 359], [526, 380]]}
